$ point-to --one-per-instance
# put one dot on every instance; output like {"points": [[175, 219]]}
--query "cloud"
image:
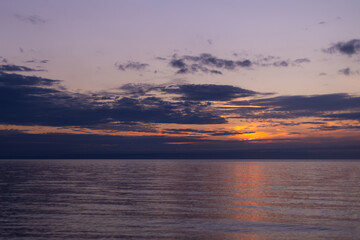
{"points": [[286, 107], [349, 48], [345, 116], [325, 102], [326, 106], [37, 61], [215, 72], [3, 60], [206, 63], [335, 127], [178, 63], [347, 71], [31, 100], [208, 92], [16, 68], [138, 90], [132, 66], [206, 132], [189, 92], [16, 80], [301, 60], [281, 64], [33, 19], [38, 101], [273, 61]]}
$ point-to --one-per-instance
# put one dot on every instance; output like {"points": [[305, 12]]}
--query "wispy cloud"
{"points": [[16, 68], [3, 60], [132, 66], [330, 106], [274, 61], [347, 71], [37, 61], [33, 19], [349, 48], [190, 131], [208, 92], [206, 63]]}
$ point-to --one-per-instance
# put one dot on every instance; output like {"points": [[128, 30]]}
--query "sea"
{"points": [[179, 199]]}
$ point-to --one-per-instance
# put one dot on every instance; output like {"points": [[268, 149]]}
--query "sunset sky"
{"points": [[179, 79]]}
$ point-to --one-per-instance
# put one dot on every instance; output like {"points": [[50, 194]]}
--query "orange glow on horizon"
{"points": [[238, 130]]}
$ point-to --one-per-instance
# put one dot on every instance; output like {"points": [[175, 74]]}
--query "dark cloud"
{"points": [[160, 58], [326, 102], [335, 127], [37, 61], [207, 59], [302, 60], [33, 19], [3, 60], [154, 109], [31, 100], [282, 107], [215, 72], [281, 64], [16, 80], [207, 132], [347, 71], [208, 92], [177, 63], [345, 116], [348, 48], [16, 68], [138, 90], [132, 66], [273, 61], [286, 107], [189, 92], [37, 101], [313, 122], [206, 63], [121, 126]]}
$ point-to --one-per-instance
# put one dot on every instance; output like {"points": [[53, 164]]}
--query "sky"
{"points": [[179, 79]]}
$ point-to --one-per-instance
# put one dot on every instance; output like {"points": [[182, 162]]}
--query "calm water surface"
{"points": [[176, 199]]}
